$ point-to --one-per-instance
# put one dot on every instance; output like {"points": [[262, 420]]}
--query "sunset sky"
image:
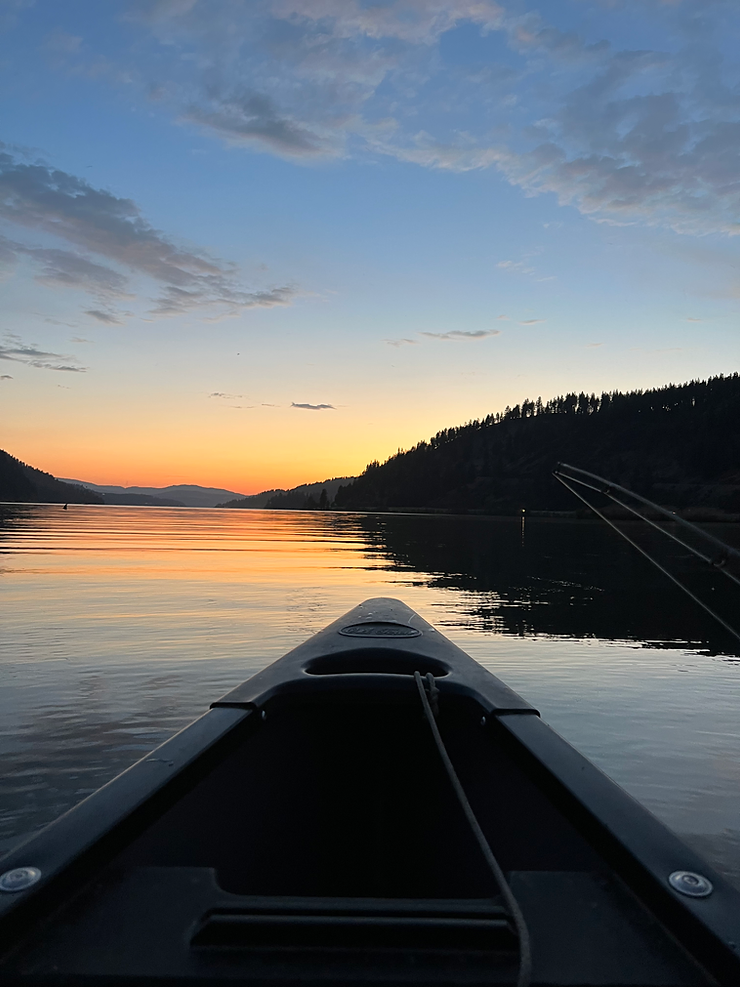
{"points": [[254, 243]]}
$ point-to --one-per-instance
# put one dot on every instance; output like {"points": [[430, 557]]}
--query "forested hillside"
{"points": [[306, 497], [678, 444], [19, 482]]}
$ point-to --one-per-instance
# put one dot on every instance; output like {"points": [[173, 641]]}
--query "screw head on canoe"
{"points": [[19, 878], [689, 883]]}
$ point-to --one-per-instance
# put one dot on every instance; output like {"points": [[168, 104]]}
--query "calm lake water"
{"points": [[120, 625]]}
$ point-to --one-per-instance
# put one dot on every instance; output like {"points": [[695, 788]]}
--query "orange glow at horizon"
{"points": [[98, 435], [124, 431], [297, 448], [144, 468]]}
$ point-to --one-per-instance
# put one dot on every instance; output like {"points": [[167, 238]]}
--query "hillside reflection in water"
{"points": [[120, 625], [562, 577]]}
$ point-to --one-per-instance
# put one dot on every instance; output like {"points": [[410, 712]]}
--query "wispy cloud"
{"points": [[690, 319], [531, 322], [107, 318], [461, 334], [15, 350], [223, 394], [295, 77], [46, 200], [402, 342], [5, 377], [253, 118], [515, 267], [64, 269], [58, 322], [313, 407], [639, 136], [524, 268]]}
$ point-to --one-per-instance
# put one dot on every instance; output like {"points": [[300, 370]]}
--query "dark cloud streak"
{"points": [[44, 199], [16, 351], [461, 334], [107, 318], [253, 118]]}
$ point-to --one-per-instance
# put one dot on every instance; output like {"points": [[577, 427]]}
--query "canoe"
{"points": [[373, 808]]}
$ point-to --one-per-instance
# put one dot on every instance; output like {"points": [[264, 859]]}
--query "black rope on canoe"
{"points": [[525, 953]]}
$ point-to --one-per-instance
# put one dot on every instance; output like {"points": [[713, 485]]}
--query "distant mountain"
{"points": [[678, 445], [22, 483], [176, 495], [305, 496]]}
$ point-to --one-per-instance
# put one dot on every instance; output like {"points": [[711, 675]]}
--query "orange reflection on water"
{"points": [[109, 583], [182, 543]]}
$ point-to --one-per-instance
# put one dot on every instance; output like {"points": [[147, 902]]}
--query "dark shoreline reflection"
{"points": [[565, 578]]}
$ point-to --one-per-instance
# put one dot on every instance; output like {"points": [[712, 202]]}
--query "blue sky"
{"points": [[256, 244]]}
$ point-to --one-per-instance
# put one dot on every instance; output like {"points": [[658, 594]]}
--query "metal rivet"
{"points": [[264, 714], [691, 884], [482, 721], [19, 879]]}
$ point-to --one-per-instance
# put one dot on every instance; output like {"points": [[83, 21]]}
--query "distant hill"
{"points": [[22, 483], [304, 497], [253, 501], [679, 445], [176, 495]]}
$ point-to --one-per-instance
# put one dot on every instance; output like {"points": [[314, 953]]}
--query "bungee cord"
{"points": [[430, 704]]}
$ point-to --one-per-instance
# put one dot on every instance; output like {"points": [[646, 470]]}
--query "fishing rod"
{"points": [[718, 561], [606, 487]]}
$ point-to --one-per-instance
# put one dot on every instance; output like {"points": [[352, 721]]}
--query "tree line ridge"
{"points": [[678, 444], [22, 483]]}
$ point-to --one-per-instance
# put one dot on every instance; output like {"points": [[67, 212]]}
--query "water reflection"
{"points": [[567, 578], [120, 625], [68, 731]]}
